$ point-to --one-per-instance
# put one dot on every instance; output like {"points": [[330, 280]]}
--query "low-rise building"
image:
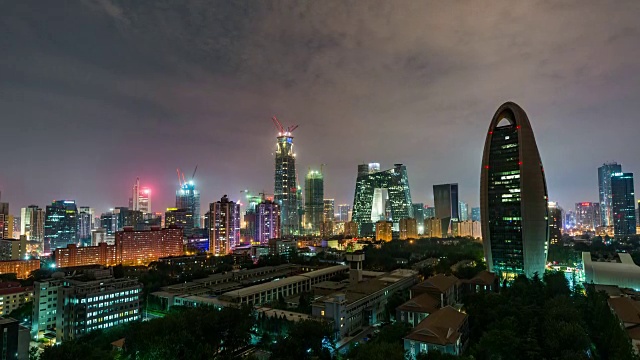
{"points": [[13, 295], [618, 269], [628, 312], [442, 287], [70, 307], [446, 331], [417, 309], [483, 281]]}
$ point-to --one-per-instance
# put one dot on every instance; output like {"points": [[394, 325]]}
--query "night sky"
{"points": [[95, 93]]}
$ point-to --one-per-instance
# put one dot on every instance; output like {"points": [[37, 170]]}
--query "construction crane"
{"points": [[194, 173], [281, 129]]}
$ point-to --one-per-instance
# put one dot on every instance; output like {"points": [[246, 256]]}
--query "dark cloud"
{"points": [[97, 92]]}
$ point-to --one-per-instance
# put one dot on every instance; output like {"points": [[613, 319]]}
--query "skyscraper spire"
{"points": [[285, 180]]}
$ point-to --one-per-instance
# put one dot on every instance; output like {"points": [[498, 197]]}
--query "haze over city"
{"points": [[97, 93]]}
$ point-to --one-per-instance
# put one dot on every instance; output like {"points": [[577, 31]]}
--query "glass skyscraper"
{"points": [[381, 195], [188, 198], [623, 202], [60, 225], [604, 186], [513, 197], [475, 214], [446, 202], [313, 202], [286, 185]]}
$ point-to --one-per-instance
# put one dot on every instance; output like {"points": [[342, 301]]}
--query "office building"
{"points": [[267, 222], [343, 212], [188, 198], [475, 214], [513, 197], [429, 212], [604, 186], [60, 225], [623, 205], [85, 225], [446, 202], [313, 202], [381, 195], [225, 226], [329, 210], [32, 223], [140, 199], [408, 229], [556, 223], [286, 183], [463, 211], [181, 218], [384, 230], [73, 306], [587, 216]]}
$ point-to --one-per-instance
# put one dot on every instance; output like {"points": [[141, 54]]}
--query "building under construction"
{"points": [[286, 181]]}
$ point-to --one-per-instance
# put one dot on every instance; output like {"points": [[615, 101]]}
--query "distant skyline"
{"points": [[98, 92]]}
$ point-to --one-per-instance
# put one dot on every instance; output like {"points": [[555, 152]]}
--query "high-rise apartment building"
{"points": [[6, 222], [267, 222], [313, 202], [429, 212], [463, 211], [475, 214], [32, 223], [141, 247], [384, 230], [418, 214], [286, 183], [60, 225], [343, 212], [188, 198], [446, 202], [408, 229], [588, 216], [432, 228], [381, 195], [329, 208], [623, 205], [604, 187], [225, 226], [556, 222], [513, 197]]}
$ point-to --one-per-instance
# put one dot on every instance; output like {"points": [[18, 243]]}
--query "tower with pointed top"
{"points": [[286, 181]]}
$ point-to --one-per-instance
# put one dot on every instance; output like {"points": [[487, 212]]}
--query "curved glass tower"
{"points": [[513, 197]]}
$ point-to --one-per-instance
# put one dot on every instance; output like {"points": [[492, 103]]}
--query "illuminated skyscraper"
{"points": [[187, 197], [429, 212], [475, 214], [446, 202], [286, 185], [381, 195], [418, 214], [225, 226], [329, 208], [513, 197], [60, 225], [32, 223], [556, 222], [588, 215], [267, 222], [85, 224], [623, 202], [604, 186], [313, 199], [463, 211], [343, 212]]}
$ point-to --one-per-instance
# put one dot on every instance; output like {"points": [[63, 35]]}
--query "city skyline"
{"points": [[115, 121]]}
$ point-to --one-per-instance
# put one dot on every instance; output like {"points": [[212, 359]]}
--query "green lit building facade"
{"points": [[381, 195], [286, 188], [313, 202], [513, 197]]}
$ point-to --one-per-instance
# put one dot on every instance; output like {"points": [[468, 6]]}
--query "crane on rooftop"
{"points": [[281, 129]]}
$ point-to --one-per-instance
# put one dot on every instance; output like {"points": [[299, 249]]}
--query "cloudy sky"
{"points": [[94, 93]]}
